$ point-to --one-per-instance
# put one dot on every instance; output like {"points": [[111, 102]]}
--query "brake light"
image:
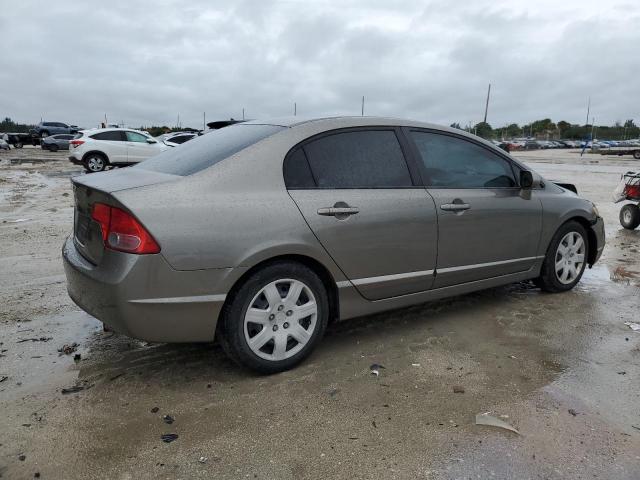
{"points": [[76, 143], [122, 231]]}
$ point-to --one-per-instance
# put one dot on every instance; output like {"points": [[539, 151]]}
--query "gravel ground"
{"points": [[563, 369]]}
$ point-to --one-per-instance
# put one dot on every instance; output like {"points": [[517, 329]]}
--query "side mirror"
{"points": [[151, 140], [526, 179]]}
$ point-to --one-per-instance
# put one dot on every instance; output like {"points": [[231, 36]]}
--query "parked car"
{"points": [[116, 147], [261, 233], [44, 129], [54, 143], [178, 138], [4, 145]]}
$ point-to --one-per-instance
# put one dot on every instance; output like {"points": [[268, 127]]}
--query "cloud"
{"points": [[146, 63]]}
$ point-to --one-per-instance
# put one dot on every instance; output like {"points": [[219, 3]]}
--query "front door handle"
{"points": [[340, 210], [455, 207], [335, 211]]}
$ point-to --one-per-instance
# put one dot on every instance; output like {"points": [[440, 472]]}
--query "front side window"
{"points": [[114, 135], [358, 159], [136, 137], [451, 162]]}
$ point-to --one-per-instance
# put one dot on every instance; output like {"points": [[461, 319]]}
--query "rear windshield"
{"points": [[209, 149]]}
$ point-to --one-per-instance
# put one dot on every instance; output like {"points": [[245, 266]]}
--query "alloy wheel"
{"points": [[95, 164], [281, 319], [569, 258]]}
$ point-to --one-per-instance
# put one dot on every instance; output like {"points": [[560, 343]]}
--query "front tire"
{"points": [[276, 318], [565, 260], [630, 216], [95, 163]]}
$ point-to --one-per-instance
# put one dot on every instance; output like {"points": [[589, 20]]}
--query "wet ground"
{"points": [[562, 369]]}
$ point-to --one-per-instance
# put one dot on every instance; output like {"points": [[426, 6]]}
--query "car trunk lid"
{"points": [[98, 188]]}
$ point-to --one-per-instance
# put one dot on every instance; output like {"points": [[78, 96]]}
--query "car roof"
{"points": [[335, 122]]}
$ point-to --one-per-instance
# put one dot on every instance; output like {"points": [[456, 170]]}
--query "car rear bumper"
{"points": [[143, 297], [74, 160], [598, 233]]}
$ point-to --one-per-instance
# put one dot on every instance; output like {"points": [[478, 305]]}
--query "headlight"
{"points": [[594, 209]]}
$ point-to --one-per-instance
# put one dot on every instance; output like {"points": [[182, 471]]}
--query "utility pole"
{"points": [[295, 109], [588, 108], [486, 107], [204, 120], [362, 111], [242, 113]]}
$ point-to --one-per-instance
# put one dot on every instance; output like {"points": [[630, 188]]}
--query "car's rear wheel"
{"points": [[18, 144], [565, 260], [276, 318], [630, 216], [95, 162], [636, 154]]}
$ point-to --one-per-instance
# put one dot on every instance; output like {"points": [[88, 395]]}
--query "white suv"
{"points": [[100, 148]]}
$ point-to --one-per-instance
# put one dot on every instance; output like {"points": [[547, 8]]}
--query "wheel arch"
{"points": [[94, 152], [592, 241], [318, 268]]}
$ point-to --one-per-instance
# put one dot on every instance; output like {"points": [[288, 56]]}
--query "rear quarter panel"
{"points": [[234, 214]]}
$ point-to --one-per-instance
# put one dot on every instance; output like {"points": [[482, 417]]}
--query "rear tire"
{"points": [[636, 154], [630, 216], [565, 260], [276, 318], [95, 162]]}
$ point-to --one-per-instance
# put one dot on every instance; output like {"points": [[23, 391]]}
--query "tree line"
{"points": [[546, 129]]}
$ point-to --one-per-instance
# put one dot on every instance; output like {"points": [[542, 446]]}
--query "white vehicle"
{"points": [[178, 138], [116, 147]]}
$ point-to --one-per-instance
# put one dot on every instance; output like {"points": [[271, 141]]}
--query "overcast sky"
{"points": [[74, 61]]}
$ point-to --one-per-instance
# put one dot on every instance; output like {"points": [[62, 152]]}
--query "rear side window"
{"points": [[180, 139], [114, 135], [358, 159], [451, 162], [297, 174], [208, 149]]}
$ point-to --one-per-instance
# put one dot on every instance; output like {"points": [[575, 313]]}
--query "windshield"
{"points": [[209, 149]]}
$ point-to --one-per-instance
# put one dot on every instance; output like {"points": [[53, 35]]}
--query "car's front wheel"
{"points": [[565, 260], [95, 163], [276, 318]]}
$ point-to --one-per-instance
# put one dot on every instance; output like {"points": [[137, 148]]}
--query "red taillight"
{"points": [[76, 143], [121, 231]]}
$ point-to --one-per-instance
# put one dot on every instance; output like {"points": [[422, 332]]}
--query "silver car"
{"points": [[261, 233]]}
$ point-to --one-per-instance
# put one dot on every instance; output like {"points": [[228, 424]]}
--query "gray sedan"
{"points": [[54, 143], [262, 233]]}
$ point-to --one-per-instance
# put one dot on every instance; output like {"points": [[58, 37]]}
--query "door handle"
{"points": [[455, 207], [337, 211]]}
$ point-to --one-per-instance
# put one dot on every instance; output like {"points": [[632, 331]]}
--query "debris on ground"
{"points": [[415, 364], [76, 357], [155, 409], [22, 457], [168, 437], [68, 349], [572, 412], [202, 460], [458, 389], [486, 419], [41, 339], [75, 389], [3, 378], [168, 419], [333, 392], [375, 369], [633, 326]]}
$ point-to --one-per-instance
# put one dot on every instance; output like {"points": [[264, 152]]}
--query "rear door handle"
{"points": [[338, 211], [455, 207]]}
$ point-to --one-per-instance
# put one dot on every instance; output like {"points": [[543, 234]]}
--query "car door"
{"points": [[367, 209], [487, 225], [113, 144], [138, 149]]}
